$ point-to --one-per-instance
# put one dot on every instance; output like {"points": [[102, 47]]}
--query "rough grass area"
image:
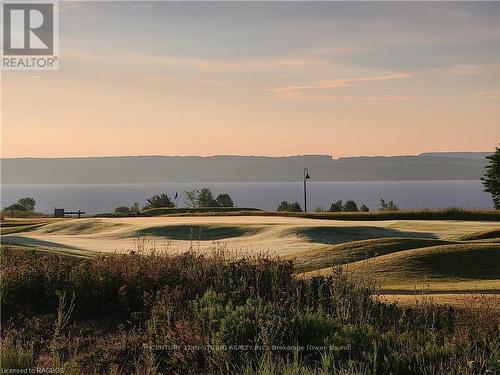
{"points": [[199, 232], [354, 251], [214, 314]]}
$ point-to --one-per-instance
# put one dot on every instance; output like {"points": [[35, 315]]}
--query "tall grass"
{"points": [[199, 314]]}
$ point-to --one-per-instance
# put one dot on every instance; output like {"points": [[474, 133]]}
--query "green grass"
{"points": [[10, 226], [18, 228], [465, 266], [80, 226], [482, 235], [357, 250]]}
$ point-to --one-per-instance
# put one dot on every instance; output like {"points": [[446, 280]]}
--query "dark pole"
{"points": [[306, 177], [305, 195]]}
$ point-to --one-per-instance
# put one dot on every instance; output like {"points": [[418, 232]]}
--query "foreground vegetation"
{"points": [[201, 314]]}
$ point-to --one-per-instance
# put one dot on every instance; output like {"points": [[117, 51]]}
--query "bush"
{"points": [[364, 208], [131, 311]]}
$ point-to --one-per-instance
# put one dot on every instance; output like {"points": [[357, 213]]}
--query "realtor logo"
{"points": [[29, 35]]}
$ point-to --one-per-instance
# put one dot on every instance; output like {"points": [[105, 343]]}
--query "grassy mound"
{"points": [[358, 250], [483, 235], [81, 226], [17, 225], [200, 232], [466, 261], [195, 314], [341, 234]]}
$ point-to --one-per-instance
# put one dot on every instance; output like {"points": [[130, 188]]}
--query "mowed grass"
{"points": [[482, 235], [9, 226], [354, 251], [454, 267], [81, 226], [399, 255]]}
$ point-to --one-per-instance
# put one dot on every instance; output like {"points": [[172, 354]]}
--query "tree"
{"points": [[23, 204], [159, 201], [205, 198], [388, 206], [135, 208], [289, 207], [122, 210], [491, 179], [350, 206], [191, 198], [364, 208], [201, 198], [224, 200], [15, 207], [27, 203], [336, 207]]}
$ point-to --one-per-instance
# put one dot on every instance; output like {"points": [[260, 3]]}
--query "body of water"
{"points": [[103, 198]]}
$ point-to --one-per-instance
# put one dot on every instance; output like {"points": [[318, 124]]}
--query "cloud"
{"points": [[379, 98], [463, 69], [301, 91]]}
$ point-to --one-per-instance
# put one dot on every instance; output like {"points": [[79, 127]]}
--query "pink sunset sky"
{"points": [[342, 79]]}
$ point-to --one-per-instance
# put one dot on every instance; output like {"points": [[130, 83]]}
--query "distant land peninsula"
{"points": [[229, 168]]}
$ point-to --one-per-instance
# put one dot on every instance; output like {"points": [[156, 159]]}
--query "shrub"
{"points": [[364, 208], [132, 311]]}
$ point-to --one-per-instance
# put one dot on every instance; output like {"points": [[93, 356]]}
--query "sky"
{"points": [[334, 78]]}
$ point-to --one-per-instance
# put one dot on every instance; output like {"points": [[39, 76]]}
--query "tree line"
{"points": [[197, 198], [339, 206]]}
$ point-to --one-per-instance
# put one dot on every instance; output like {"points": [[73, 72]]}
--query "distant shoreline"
{"points": [[227, 169]]}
